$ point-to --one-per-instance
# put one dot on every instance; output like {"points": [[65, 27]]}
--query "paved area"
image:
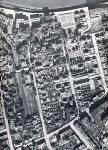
{"points": [[44, 3]]}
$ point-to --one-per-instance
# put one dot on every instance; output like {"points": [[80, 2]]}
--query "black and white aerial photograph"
{"points": [[54, 74]]}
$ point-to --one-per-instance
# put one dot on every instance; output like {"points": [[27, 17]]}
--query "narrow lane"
{"points": [[66, 125], [71, 79]]}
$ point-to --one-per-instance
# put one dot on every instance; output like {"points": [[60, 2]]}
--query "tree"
{"points": [[104, 41], [28, 117], [76, 32], [76, 12], [82, 11], [5, 29], [45, 148], [69, 31], [55, 19], [79, 25], [46, 11], [64, 33]]}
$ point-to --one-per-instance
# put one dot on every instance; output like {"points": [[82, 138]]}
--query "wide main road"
{"points": [[51, 3], [45, 3]]}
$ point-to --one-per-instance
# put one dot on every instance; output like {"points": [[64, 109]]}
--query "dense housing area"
{"points": [[54, 83]]}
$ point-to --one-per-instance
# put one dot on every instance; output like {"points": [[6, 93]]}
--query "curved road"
{"points": [[45, 3]]}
